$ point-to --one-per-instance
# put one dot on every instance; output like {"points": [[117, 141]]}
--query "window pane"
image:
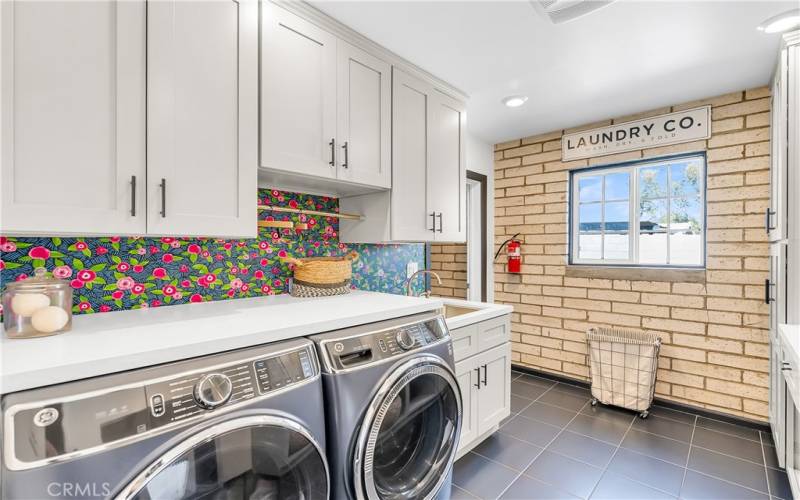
{"points": [[589, 246], [653, 232], [653, 182], [686, 249], [616, 241], [589, 238], [618, 186], [616, 246], [686, 215], [617, 215], [590, 189], [590, 217], [685, 178]]}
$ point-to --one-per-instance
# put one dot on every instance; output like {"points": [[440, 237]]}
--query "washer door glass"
{"points": [[413, 436], [254, 460]]}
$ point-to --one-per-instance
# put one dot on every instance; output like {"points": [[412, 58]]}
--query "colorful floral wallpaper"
{"points": [[114, 273]]}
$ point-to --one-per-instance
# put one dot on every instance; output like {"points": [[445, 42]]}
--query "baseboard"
{"points": [[703, 412]]}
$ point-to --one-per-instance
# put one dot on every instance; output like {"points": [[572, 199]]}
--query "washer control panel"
{"points": [[362, 349]]}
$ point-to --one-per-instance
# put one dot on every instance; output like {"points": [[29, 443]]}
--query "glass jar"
{"points": [[37, 306]]}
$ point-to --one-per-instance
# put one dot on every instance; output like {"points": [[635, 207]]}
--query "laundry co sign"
{"points": [[673, 128]]}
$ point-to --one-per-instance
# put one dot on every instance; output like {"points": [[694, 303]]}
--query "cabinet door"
{"points": [[73, 121], [467, 377], [298, 94], [202, 120], [776, 216], [412, 217], [775, 294], [363, 128], [447, 175], [494, 396], [777, 398]]}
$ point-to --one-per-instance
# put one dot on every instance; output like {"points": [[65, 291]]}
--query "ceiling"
{"points": [[631, 56]]}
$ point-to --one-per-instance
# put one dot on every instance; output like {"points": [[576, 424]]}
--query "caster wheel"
{"points": [[594, 402], [644, 414]]}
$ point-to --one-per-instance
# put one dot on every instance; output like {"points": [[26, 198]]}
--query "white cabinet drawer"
{"points": [[465, 341], [493, 332]]}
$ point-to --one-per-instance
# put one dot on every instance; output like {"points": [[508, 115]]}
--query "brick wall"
{"points": [[715, 351], [450, 263]]}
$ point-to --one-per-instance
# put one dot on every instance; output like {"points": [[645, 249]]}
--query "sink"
{"points": [[451, 311]]}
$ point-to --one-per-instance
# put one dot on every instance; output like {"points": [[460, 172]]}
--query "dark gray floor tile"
{"points": [[617, 487], [771, 456], [508, 450], [604, 430], [610, 413], [528, 488], [726, 428], [766, 438], [779, 484], [525, 390], [565, 473], [699, 486], [564, 400], [583, 448], [540, 381], [679, 416], [548, 414], [457, 493], [481, 477], [728, 444], [575, 390], [728, 468], [657, 446], [515, 374], [519, 403], [651, 471], [664, 427], [531, 431]]}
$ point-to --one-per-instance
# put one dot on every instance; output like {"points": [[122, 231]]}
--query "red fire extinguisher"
{"points": [[513, 252]]}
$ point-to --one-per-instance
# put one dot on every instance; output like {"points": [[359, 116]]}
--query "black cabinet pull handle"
{"points": [[478, 383], [485, 375], [440, 222], [133, 196], [345, 154], [767, 216], [767, 298], [163, 197], [433, 217], [332, 144]]}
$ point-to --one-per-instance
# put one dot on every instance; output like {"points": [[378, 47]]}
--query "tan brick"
{"points": [[757, 149], [683, 353], [680, 378], [744, 390], [731, 138], [589, 305], [672, 300], [707, 343], [727, 125], [758, 120], [703, 396], [542, 137], [706, 370], [641, 310], [522, 151], [507, 145], [744, 108], [614, 319], [737, 305], [616, 296], [736, 361], [650, 286], [674, 325], [727, 153], [757, 93]]}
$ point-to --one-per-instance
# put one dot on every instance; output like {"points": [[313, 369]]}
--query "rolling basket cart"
{"points": [[623, 367]]}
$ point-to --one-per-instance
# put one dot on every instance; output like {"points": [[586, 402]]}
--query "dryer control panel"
{"points": [[361, 349]]}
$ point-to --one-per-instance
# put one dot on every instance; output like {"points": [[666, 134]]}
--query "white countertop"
{"points": [[483, 311], [104, 343]]}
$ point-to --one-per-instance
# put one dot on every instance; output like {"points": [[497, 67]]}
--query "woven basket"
{"points": [[322, 276]]}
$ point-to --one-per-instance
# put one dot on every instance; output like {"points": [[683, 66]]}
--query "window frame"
{"points": [[632, 167]]}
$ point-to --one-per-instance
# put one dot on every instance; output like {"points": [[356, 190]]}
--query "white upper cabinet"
{"points": [[202, 117], [73, 120], [447, 171], [775, 218], [298, 94], [363, 117]]}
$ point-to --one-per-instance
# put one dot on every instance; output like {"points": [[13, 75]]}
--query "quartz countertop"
{"points": [[104, 343]]}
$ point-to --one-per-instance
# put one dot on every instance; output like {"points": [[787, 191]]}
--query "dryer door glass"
{"points": [[413, 435], [244, 458]]}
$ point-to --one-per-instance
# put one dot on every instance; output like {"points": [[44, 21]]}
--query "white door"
{"points": [[776, 214], [202, 120], [363, 129], [446, 172], [494, 396], [298, 94], [467, 374], [412, 217], [73, 121]]}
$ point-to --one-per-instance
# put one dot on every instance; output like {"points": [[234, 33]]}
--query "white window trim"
{"points": [[633, 199]]}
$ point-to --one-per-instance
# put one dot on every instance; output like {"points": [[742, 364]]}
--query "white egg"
{"points": [[49, 319], [25, 304]]}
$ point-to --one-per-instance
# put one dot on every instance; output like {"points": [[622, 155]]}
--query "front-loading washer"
{"points": [[245, 424], [393, 407]]}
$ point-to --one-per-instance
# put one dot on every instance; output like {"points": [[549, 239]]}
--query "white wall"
{"points": [[480, 159]]}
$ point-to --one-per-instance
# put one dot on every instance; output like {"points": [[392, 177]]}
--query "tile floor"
{"points": [[556, 445]]}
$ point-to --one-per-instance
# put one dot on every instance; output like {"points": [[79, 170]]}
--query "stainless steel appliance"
{"points": [[393, 409], [238, 425]]}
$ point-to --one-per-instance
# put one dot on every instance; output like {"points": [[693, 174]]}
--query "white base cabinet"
{"points": [[484, 377]]}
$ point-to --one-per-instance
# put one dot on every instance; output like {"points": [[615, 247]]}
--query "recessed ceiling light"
{"points": [[782, 22], [515, 101]]}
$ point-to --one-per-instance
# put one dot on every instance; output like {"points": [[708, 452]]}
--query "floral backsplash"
{"points": [[115, 273]]}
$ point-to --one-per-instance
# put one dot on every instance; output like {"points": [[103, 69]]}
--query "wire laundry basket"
{"points": [[623, 365]]}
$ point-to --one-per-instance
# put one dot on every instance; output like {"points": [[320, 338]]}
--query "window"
{"points": [[648, 213]]}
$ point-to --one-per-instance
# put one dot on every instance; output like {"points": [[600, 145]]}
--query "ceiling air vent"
{"points": [[562, 11]]}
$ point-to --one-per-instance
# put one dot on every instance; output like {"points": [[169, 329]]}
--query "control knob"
{"points": [[213, 390], [404, 339]]}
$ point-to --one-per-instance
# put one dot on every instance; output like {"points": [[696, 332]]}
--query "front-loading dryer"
{"points": [[393, 407], [246, 424]]}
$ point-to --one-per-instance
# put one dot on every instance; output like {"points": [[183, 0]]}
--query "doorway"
{"points": [[476, 236]]}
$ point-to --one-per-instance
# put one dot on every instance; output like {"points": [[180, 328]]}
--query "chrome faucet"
{"points": [[426, 293]]}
